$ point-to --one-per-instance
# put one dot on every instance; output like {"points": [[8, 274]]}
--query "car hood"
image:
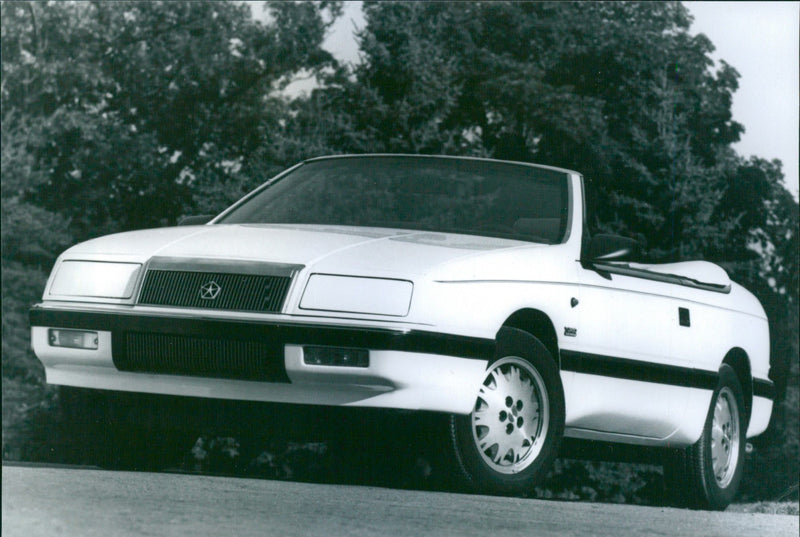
{"points": [[328, 249]]}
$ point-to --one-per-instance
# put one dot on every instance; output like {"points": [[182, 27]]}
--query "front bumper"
{"points": [[262, 360]]}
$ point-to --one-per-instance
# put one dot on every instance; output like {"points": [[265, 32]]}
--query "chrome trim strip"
{"points": [[440, 157], [197, 313], [253, 268], [624, 270]]}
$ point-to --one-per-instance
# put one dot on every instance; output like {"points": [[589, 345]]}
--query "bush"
{"points": [[22, 287]]}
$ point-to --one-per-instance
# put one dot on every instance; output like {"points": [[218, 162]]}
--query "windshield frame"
{"points": [[567, 186]]}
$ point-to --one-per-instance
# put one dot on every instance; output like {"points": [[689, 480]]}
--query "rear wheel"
{"points": [[707, 474], [508, 441]]}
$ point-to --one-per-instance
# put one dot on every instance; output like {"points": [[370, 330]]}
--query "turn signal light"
{"points": [[336, 356], [73, 339]]}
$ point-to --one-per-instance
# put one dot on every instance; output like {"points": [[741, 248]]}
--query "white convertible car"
{"points": [[455, 285]]}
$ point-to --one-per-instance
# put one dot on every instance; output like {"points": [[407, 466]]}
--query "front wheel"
{"points": [[708, 473], [508, 441]]}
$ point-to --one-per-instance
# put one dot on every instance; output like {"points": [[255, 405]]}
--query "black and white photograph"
{"points": [[400, 268]]}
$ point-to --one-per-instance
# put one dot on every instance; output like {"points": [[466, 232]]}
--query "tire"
{"points": [[509, 440], [707, 474]]}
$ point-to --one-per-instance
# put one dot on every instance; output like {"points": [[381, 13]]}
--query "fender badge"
{"points": [[570, 332]]}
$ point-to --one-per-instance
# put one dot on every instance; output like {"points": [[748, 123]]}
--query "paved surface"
{"points": [[47, 501]]}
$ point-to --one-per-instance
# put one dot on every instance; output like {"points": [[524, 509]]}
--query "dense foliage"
{"points": [[131, 114]]}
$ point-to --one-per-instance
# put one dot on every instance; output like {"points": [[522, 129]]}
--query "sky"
{"points": [[760, 39]]}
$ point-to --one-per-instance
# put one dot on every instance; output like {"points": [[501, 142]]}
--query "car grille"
{"points": [[243, 292], [256, 287], [200, 356]]}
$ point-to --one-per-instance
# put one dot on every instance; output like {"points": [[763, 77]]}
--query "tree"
{"points": [[620, 91], [133, 107]]}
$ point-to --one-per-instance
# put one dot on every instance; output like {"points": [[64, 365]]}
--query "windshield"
{"points": [[473, 197]]}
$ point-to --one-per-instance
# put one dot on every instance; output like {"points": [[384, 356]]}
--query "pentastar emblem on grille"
{"points": [[210, 290]]}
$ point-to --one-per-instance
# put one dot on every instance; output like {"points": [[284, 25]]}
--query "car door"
{"points": [[624, 382]]}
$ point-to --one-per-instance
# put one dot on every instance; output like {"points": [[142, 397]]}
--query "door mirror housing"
{"points": [[606, 247]]}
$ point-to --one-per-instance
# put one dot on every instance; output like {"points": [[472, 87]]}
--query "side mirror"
{"points": [[606, 247], [196, 220]]}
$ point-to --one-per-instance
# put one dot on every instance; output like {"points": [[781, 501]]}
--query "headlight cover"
{"points": [[95, 279], [351, 294]]}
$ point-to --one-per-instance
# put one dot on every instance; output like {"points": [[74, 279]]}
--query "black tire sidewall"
{"points": [[514, 342], [712, 496]]}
